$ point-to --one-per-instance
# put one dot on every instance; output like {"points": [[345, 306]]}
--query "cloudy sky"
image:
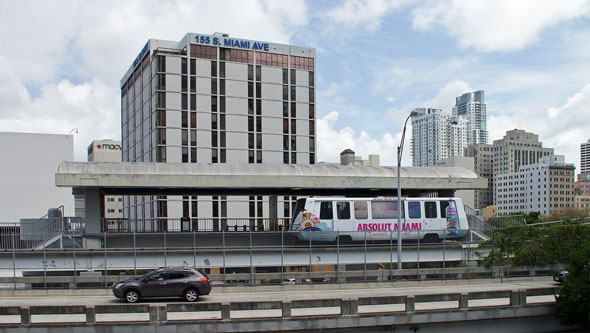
{"points": [[61, 63]]}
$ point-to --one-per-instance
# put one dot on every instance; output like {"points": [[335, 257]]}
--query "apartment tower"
{"points": [[472, 105]]}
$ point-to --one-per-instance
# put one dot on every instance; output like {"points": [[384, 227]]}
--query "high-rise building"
{"points": [[515, 149], [483, 158], [585, 157], [472, 105], [546, 186], [436, 135], [217, 99]]}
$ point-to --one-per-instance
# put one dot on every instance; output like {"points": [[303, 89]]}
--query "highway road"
{"points": [[277, 293]]}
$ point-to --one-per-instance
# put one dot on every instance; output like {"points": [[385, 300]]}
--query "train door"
{"points": [[431, 218]]}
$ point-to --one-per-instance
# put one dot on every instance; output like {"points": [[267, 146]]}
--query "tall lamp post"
{"points": [[400, 150]]}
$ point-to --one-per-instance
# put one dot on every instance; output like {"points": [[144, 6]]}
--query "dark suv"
{"points": [[185, 282]]}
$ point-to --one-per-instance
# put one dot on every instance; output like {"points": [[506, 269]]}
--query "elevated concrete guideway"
{"points": [[259, 179], [96, 179]]}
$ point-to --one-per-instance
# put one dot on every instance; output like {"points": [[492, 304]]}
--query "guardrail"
{"points": [[96, 280], [289, 310]]}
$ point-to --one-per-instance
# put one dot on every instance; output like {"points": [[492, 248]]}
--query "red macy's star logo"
{"points": [[98, 146]]}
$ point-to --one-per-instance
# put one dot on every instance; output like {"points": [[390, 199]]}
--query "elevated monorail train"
{"points": [[350, 219]]}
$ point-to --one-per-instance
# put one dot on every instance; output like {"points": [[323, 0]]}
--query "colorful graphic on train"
{"points": [[310, 222], [451, 220]]}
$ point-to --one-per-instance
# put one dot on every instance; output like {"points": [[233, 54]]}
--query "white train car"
{"points": [[350, 219]]}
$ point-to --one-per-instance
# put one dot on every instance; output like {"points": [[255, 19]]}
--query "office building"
{"points": [[546, 187], [217, 99], [472, 105], [517, 148], [436, 135]]}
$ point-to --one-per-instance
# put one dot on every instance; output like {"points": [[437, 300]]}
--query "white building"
{"points": [[27, 174], [217, 99], [436, 135], [472, 105], [546, 187]]}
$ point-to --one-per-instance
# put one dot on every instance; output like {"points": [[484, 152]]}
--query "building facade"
{"points": [[516, 148], [217, 99], [436, 136], [472, 105], [483, 160], [546, 187], [27, 174]]}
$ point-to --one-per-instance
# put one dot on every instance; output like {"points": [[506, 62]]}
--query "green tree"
{"points": [[573, 301]]}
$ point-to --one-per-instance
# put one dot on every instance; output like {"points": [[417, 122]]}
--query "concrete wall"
{"points": [[27, 174]]}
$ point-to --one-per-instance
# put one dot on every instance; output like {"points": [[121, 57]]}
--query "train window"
{"points": [[385, 209], [343, 210], [443, 209], [430, 210], [360, 210], [414, 210], [326, 210]]}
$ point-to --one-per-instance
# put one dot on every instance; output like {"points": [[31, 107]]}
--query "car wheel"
{"points": [[131, 296], [191, 295]]}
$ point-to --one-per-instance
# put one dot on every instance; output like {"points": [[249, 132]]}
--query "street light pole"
{"points": [[400, 150]]}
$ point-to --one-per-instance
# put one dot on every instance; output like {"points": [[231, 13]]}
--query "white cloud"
{"points": [[398, 77], [497, 25], [61, 107], [366, 14], [331, 142], [64, 58]]}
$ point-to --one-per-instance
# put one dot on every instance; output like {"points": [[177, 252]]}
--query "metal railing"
{"points": [[194, 224], [36, 233]]}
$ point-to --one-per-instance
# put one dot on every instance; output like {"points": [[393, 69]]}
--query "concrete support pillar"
{"points": [[410, 304], [286, 307], [153, 313], [464, 301], [25, 315], [90, 314], [518, 297], [225, 311], [273, 214], [349, 307], [162, 313], [94, 203]]}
